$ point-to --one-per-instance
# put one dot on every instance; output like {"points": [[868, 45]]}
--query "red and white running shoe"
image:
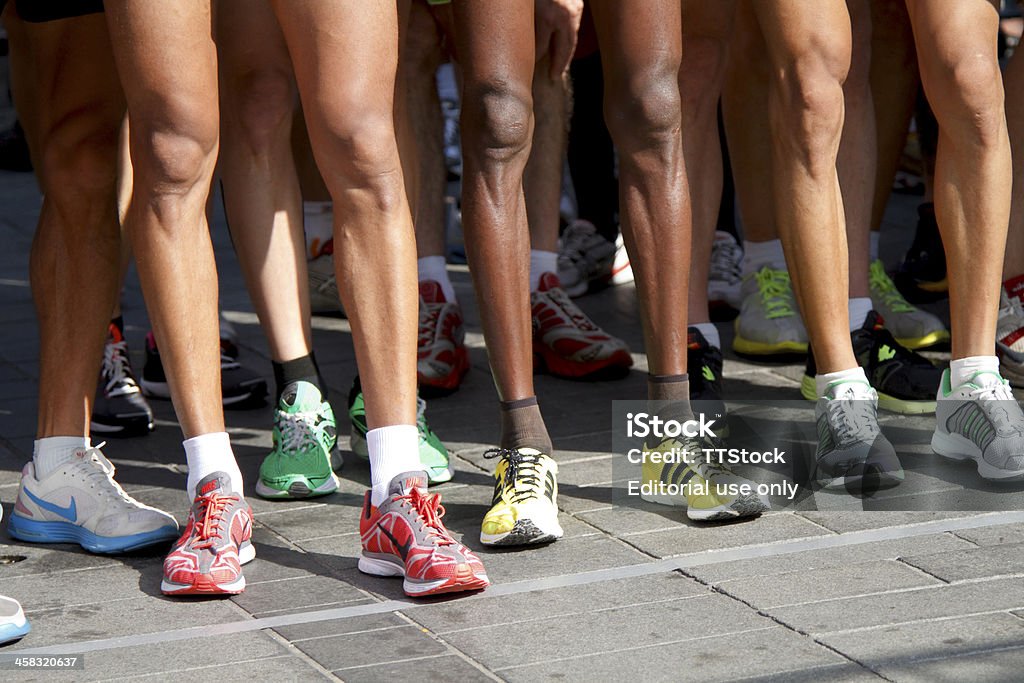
{"points": [[406, 537], [442, 360], [208, 558], [568, 342]]}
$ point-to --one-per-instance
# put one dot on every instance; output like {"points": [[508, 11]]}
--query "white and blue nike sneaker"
{"points": [[13, 624], [81, 503]]}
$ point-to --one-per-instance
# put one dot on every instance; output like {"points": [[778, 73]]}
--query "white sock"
{"points": [[541, 262], [757, 255], [318, 221], [49, 453], [873, 245], [710, 333], [859, 309], [209, 453], [436, 268], [393, 450], [963, 369], [856, 375]]}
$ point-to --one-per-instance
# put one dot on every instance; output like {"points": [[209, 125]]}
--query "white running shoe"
{"points": [[622, 272], [81, 503], [912, 327], [980, 420], [725, 279], [13, 624], [1010, 339], [769, 322], [585, 257]]}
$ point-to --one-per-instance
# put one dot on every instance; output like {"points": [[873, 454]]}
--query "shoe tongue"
{"points": [[694, 338], [217, 482], [406, 481], [302, 396], [115, 334], [986, 378], [853, 389], [431, 292], [548, 281], [873, 322]]}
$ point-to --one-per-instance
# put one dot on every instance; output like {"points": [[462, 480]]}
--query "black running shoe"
{"points": [[921, 277], [240, 386], [906, 382], [120, 408], [704, 365]]}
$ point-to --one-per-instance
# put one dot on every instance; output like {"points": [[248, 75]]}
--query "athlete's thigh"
{"points": [[947, 32], [345, 56], [65, 84], [167, 61], [249, 39], [636, 37], [702, 19], [806, 35], [495, 41]]}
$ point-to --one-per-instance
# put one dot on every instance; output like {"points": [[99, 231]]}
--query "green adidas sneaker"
{"points": [[433, 454], [305, 433]]}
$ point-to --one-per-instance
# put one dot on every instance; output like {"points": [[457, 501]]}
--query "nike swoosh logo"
{"points": [[403, 548], [69, 513]]}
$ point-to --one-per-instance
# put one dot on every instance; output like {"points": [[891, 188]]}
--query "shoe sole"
{"points": [[204, 583], [750, 505], [750, 347], [162, 390], [34, 531], [462, 582], [11, 632], [915, 343], [546, 359], [441, 386], [864, 484], [809, 390], [525, 532], [299, 488], [956, 447], [127, 428]]}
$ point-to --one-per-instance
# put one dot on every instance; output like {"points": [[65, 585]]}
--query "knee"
{"points": [[498, 127], [645, 110], [968, 100], [262, 104], [811, 100], [174, 153], [362, 162], [79, 169]]}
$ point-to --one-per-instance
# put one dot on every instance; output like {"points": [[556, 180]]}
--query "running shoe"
{"points": [[622, 271], [324, 298], [694, 478], [1010, 339], [852, 452], [305, 433], [405, 537], [240, 386], [904, 380], [768, 323], [980, 420], [1015, 288], [567, 342], [208, 558], [912, 327], [13, 624], [119, 407], [81, 503], [704, 363], [585, 259], [442, 360], [433, 455], [922, 275], [524, 509], [725, 279]]}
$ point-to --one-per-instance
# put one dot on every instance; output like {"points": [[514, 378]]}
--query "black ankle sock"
{"points": [[523, 427], [302, 369]]}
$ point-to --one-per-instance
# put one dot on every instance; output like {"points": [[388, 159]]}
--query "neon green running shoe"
{"points": [[433, 454], [305, 433]]}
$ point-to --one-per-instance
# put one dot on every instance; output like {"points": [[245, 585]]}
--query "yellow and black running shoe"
{"points": [[524, 509]]}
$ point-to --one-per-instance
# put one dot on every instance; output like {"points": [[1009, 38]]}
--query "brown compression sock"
{"points": [[523, 427]]}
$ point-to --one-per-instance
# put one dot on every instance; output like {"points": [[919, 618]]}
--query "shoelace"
{"points": [[297, 431], [429, 315], [776, 292], [522, 477], [118, 370], [853, 418], [579, 319], [101, 474], [725, 261], [430, 511], [885, 287], [207, 528]]}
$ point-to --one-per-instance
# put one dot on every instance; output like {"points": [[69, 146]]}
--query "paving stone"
{"points": [[310, 592], [336, 627], [823, 584], [842, 522], [544, 640], [1001, 665], [972, 563], [538, 605], [892, 649], [373, 647], [441, 669], [692, 537], [1001, 534], [829, 557], [900, 607]]}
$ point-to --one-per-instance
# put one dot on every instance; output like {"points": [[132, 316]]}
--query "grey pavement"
{"points": [[824, 590]]}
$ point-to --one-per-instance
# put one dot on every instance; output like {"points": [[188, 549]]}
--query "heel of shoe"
{"points": [[952, 446], [378, 567]]}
